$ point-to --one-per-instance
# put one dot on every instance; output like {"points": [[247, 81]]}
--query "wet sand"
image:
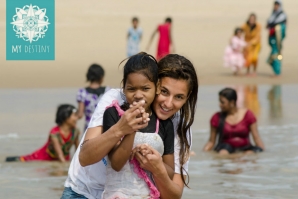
{"points": [[27, 115], [96, 32]]}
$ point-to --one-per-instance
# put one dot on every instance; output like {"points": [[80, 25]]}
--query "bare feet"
{"points": [[275, 76]]}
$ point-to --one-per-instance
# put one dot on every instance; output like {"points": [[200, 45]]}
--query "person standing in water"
{"points": [[88, 97], [233, 57], [232, 126], [252, 32], [134, 37], [165, 39], [277, 32]]}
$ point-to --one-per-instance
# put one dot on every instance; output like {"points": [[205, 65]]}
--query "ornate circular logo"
{"points": [[30, 23]]}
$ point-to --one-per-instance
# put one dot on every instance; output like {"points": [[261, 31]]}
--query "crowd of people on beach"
{"points": [[244, 46], [137, 140]]}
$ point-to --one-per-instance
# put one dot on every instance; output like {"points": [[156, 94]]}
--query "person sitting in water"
{"points": [[60, 140], [232, 126]]}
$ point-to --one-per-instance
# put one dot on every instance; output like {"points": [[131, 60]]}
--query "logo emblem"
{"points": [[30, 23]]}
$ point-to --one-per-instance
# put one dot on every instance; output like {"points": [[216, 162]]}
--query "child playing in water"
{"points": [[134, 37], [88, 97], [60, 140], [125, 179], [234, 57]]}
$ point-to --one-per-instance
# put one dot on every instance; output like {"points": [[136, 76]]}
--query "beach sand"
{"points": [[96, 32]]}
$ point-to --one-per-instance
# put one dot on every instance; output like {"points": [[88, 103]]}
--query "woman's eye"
{"points": [[179, 97], [163, 92]]}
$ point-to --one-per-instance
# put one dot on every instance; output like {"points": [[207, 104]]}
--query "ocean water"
{"points": [[27, 115]]}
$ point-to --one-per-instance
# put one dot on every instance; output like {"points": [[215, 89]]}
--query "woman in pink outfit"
{"points": [[165, 39], [234, 57]]}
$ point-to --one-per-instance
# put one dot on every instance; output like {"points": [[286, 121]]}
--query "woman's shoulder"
{"points": [[249, 115]]}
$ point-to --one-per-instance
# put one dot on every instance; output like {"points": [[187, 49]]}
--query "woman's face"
{"points": [[172, 95], [224, 104], [138, 87], [72, 120], [252, 20]]}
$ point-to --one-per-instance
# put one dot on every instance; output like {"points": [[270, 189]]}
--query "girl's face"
{"points": [[239, 33], [72, 120], [225, 105], [138, 87], [172, 95]]}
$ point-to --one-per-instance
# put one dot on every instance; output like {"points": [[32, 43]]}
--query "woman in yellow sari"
{"points": [[252, 31]]}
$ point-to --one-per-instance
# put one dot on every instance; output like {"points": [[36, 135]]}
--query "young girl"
{"points": [[125, 179], [234, 57], [60, 140], [88, 97]]}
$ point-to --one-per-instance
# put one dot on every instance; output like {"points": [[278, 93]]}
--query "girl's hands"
{"points": [[133, 119]]}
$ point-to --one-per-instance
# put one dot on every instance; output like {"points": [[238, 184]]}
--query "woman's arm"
{"points": [[256, 136], [212, 139], [57, 148], [81, 109], [97, 145]]}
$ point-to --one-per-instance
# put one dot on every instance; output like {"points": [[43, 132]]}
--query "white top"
{"points": [[133, 41], [90, 180]]}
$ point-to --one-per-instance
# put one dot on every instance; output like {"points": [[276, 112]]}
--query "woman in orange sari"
{"points": [[252, 31]]}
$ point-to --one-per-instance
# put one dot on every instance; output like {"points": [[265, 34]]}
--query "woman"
{"points": [[176, 98], [277, 32], [233, 126], [252, 32]]}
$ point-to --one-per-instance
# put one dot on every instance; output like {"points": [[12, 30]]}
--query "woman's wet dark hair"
{"points": [[237, 30], [64, 111], [180, 68], [231, 95], [141, 63], [95, 73]]}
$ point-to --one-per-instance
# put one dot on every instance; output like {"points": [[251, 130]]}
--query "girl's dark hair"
{"points": [[64, 111], [141, 63], [237, 30], [180, 68], [95, 73], [231, 95], [254, 25]]}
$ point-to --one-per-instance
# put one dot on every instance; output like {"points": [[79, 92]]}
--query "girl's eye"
{"points": [[146, 89], [130, 89]]}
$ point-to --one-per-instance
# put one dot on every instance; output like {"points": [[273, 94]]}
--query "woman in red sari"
{"points": [[233, 126], [165, 39], [61, 138]]}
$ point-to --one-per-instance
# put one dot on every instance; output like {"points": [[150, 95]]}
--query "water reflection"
{"points": [[248, 98], [275, 102]]}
